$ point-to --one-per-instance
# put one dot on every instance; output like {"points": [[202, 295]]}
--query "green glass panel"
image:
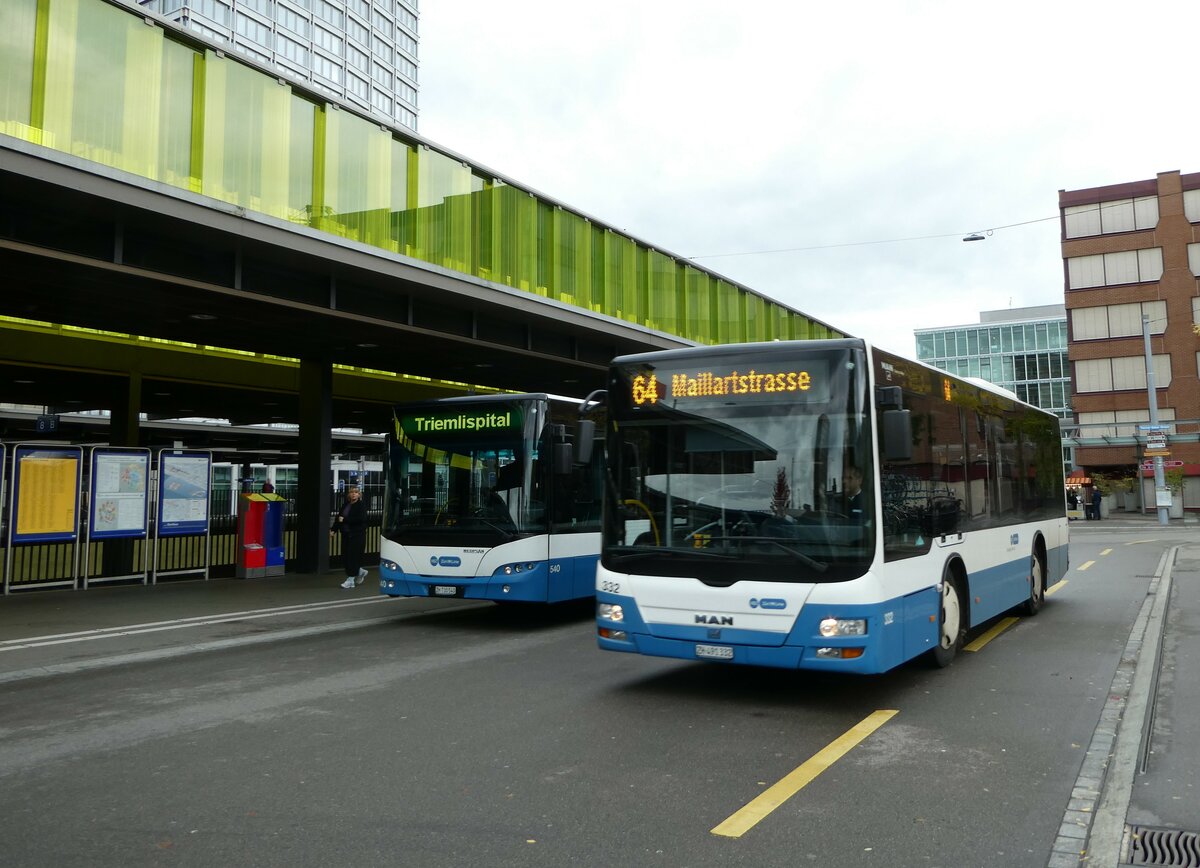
{"points": [[175, 113], [445, 223], [699, 303], [358, 183], [621, 277], [400, 237], [18, 25], [662, 298], [572, 261], [514, 247], [756, 318], [546, 249], [247, 127], [729, 313], [301, 124], [114, 93]]}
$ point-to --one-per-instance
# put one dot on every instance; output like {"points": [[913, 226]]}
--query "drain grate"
{"points": [[1166, 848]]}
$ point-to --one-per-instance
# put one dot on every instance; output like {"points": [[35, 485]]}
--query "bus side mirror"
{"points": [[562, 459], [896, 428], [585, 436]]}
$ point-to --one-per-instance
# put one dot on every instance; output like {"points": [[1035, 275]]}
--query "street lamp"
{"points": [[1160, 485]]}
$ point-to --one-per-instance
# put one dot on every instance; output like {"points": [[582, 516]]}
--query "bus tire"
{"points": [[1037, 587], [950, 622]]}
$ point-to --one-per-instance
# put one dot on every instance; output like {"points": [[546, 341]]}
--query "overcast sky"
{"points": [[710, 128]]}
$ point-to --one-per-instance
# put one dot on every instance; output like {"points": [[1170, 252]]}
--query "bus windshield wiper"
{"points": [[800, 556], [628, 554]]}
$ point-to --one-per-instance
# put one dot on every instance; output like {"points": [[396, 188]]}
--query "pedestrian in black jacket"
{"points": [[351, 523]]}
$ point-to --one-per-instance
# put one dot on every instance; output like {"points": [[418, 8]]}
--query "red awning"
{"points": [[1078, 476]]}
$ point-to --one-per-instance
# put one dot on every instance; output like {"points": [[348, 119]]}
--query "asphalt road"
{"points": [[481, 735]]}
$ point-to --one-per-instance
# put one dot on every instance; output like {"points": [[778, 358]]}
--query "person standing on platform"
{"points": [[1096, 503], [351, 523]]}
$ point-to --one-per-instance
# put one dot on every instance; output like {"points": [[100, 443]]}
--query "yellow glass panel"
{"points": [[18, 25]]}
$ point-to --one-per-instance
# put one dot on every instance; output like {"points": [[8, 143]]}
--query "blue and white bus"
{"points": [[483, 501], [819, 505]]}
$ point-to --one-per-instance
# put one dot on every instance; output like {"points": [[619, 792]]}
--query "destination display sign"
{"points": [[423, 425], [806, 381]]}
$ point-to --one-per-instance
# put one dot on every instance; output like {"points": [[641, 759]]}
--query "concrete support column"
{"points": [[313, 493], [123, 415]]}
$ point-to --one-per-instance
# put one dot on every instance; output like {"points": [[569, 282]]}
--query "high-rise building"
{"points": [[1131, 253], [1023, 350], [362, 51]]}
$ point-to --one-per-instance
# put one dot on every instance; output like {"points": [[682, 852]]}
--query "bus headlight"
{"points": [[611, 611], [843, 627]]}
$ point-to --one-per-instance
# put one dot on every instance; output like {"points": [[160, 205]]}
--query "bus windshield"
{"points": [[749, 464], [470, 472]]}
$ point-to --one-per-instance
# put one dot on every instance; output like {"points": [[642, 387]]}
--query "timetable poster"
{"points": [[118, 495], [183, 483], [46, 493]]}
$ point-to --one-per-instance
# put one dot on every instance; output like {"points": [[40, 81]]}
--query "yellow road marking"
{"points": [[1106, 551], [1057, 586], [991, 634], [1083, 567], [1138, 542], [767, 801]]}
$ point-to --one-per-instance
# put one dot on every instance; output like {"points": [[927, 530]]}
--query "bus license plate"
{"points": [[447, 590], [714, 652]]}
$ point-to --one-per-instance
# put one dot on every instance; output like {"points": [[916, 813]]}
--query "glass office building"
{"points": [[1023, 350], [362, 51]]}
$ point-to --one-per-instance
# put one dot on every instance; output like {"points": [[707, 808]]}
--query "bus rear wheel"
{"points": [[950, 626], [1037, 587]]}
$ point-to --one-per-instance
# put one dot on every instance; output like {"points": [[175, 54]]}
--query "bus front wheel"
{"points": [[1037, 587], [950, 626]]}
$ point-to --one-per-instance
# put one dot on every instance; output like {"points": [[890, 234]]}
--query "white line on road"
{"points": [[179, 623]]}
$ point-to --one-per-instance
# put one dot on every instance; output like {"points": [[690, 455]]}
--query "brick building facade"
{"points": [[1130, 251]]}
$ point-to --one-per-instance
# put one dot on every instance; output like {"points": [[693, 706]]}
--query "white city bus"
{"points": [[733, 530], [483, 501]]}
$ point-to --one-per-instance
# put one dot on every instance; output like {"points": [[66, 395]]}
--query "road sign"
{"points": [[1154, 427], [1149, 465]]}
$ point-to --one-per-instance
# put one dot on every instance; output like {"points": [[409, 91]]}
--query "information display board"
{"points": [[119, 493], [45, 500], [184, 481]]}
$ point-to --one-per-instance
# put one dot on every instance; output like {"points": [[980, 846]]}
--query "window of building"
{"points": [[358, 31], [406, 117], [382, 49], [331, 42], [213, 10], [381, 101], [264, 7], [1123, 373], [360, 7], [382, 76], [327, 68], [1117, 215], [291, 49], [1118, 320], [406, 17], [406, 67], [1191, 205], [328, 12], [358, 59], [1112, 269], [406, 42], [253, 30], [1122, 423], [1194, 259], [382, 24], [406, 91], [357, 86], [293, 21]]}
